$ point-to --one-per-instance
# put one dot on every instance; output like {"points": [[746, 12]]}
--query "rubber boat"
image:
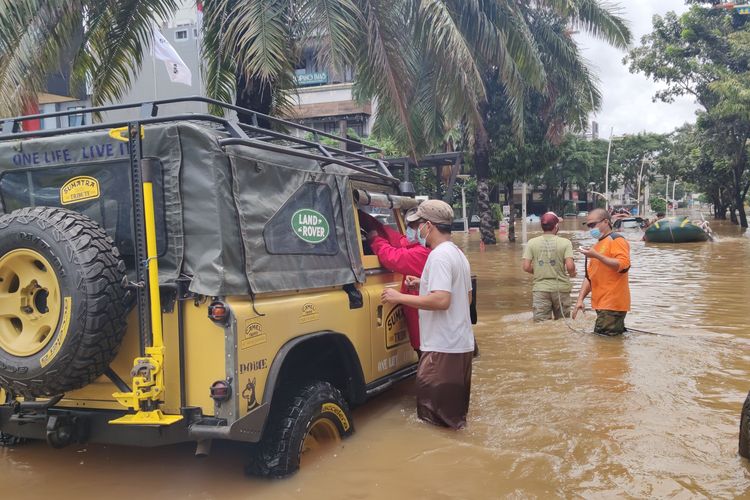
{"points": [[675, 230]]}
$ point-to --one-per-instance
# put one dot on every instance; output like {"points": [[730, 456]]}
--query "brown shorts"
{"points": [[609, 322], [444, 388]]}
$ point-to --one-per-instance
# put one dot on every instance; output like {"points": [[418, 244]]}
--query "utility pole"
{"points": [[640, 174], [666, 195], [523, 213], [463, 208]]}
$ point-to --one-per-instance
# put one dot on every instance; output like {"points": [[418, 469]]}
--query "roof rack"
{"points": [[252, 135]]}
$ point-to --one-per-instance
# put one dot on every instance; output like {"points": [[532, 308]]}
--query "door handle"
{"points": [[380, 315]]}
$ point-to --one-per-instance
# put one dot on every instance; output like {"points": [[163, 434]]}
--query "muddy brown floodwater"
{"points": [[555, 412]]}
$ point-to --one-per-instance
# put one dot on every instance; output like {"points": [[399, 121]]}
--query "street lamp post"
{"points": [[606, 170], [523, 212], [640, 175], [591, 185], [601, 194], [463, 177]]}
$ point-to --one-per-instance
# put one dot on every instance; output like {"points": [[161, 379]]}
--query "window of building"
{"points": [[181, 35], [332, 126], [76, 120]]}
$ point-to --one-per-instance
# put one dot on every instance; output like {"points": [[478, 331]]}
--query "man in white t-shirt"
{"points": [[447, 340]]}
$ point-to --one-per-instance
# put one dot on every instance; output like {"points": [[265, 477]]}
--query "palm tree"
{"points": [[569, 90], [424, 60], [419, 58]]}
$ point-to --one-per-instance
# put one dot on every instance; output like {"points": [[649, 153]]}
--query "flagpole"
{"points": [[153, 66], [153, 57]]}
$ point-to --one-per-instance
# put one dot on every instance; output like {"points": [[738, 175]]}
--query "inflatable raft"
{"points": [[675, 230]]}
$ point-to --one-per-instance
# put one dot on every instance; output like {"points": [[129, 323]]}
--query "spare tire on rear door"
{"points": [[62, 301]]}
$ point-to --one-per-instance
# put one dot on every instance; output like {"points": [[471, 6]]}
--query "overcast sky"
{"points": [[628, 105]]}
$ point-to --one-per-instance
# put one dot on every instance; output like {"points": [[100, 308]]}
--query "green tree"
{"points": [[512, 146], [692, 155], [629, 154], [705, 53], [580, 162], [418, 57]]}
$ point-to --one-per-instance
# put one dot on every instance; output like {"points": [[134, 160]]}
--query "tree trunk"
{"points": [[738, 168], [742, 214], [720, 211], [256, 95], [512, 217], [486, 228], [732, 214], [482, 168]]}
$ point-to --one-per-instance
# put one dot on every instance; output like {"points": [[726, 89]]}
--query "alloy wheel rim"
{"points": [[30, 302], [322, 433]]}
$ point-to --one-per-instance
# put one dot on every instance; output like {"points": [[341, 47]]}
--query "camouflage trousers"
{"points": [[548, 305], [609, 322]]}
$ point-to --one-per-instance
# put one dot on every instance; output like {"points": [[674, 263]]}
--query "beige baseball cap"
{"points": [[435, 211]]}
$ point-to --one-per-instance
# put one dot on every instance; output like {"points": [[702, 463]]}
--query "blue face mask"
{"points": [[422, 240], [595, 233], [411, 235]]}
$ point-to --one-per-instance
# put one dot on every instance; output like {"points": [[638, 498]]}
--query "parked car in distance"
{"points": [[458, 224], [582, 213]]}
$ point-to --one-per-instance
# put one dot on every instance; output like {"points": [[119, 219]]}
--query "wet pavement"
{"points": [[556, 411]]}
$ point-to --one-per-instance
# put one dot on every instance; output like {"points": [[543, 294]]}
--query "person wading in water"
{"points": [[444, 371], [550, 259], [608, 263]]}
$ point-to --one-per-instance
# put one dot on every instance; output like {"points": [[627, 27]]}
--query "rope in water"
{"points": [[569, 320]]}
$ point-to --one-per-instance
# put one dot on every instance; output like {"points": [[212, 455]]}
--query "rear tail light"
{"points": [[218, 312], [221, 390]]}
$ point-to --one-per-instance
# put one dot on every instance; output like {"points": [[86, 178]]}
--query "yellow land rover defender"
{"points": [[186, 277]]}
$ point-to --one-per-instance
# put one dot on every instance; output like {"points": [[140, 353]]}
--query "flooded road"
{"points": [[555, 412]]}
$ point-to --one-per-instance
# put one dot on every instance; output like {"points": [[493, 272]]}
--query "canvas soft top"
{"points": [[240, 208]]}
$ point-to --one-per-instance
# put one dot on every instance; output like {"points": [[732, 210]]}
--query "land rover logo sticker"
{"points": [[79, 189], [310, 226]]}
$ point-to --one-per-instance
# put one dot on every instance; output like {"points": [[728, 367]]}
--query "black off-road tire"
{"points": [[90, 272], [278, 453], [744, 445]]}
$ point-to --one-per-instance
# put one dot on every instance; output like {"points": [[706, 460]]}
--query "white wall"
{"points": [[327, 93]]}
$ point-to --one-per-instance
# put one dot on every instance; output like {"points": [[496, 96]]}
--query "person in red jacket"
{"points": [[400, 254]]}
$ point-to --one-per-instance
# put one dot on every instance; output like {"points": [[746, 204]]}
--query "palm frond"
{"points": [[602, 20], [33, 34], [218, 69], [259, 34], [457, 85], [385, 63], [118, 37], [332, 26]]}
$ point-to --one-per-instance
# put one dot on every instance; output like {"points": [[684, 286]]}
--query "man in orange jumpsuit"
{"points": [[606, 275]]}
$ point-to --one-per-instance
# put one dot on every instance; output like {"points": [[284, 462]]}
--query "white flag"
{"points": [[176, 67]]}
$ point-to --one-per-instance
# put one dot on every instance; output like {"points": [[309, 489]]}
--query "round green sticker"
{"points": [[310, 225]]}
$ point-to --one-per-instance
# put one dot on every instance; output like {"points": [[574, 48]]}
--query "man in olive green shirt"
{"points": [[550, 259]]}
